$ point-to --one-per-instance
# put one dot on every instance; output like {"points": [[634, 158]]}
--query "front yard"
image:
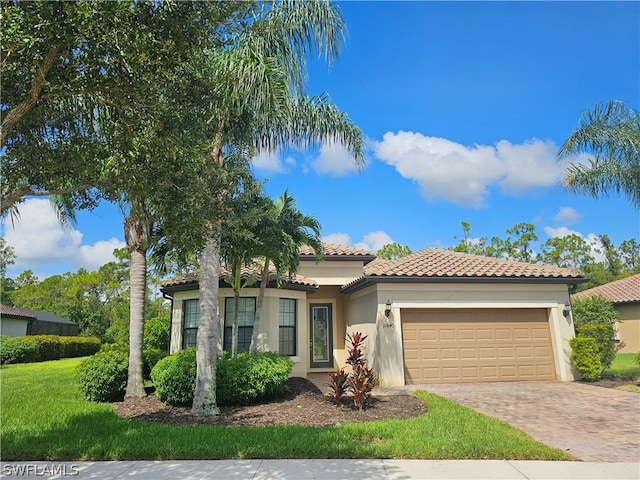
{"points": [[45, 418]]}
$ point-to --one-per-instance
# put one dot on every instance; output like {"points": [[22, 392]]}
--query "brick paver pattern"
{"points": [[593, 424]]}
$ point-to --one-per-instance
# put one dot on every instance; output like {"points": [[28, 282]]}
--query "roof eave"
{"points": [[373, 279], [365, 259], [194, 285]]}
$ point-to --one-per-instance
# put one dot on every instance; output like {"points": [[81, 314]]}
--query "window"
{"points": [[287, 326], [246, 317], [191, 313]]}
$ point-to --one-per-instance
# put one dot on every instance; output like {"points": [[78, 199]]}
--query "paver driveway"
{"points": [[591, 423]]}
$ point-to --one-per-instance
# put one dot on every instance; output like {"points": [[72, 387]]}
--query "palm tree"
{"points": [[610, 134], [259, 85], [283, 231]]}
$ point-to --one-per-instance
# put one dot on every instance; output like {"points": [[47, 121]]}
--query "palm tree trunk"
{"points": [[204, 400], [137, 232], [259, 302]]}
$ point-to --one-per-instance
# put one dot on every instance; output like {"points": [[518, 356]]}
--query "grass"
{"points": [[45, 418], [624, 366]]}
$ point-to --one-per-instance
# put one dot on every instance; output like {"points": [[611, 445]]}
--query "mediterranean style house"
{"points": [[432, 316], [625, 296]]}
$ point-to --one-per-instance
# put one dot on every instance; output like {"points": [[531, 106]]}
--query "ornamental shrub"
{"points": [[157, 333], [18, 350], [251, 376], [103, 376], [605, 335], [175, 377], [594, 309], [150, 358], [586, 358]]}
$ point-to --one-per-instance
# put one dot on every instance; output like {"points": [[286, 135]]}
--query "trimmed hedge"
{"points": [[40, 348], [251, 376], [175, 377], [157, 332], [586, 357], [239, 381], [103, 376], [604, 334]]}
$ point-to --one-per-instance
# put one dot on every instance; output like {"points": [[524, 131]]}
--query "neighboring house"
{"points": [[625, 296], [14, 322], [22, 321], [433, 316]]}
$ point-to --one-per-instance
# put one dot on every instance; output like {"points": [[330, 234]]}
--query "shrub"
{"points": [[604, 334], [157, 333], [362, 380], [586, 358], [338, 386], [18, 350], [175, 377], [251, 376], [103, 376], [594, 309], [150, 358]]}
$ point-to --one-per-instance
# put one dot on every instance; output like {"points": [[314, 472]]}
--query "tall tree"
{"points": [[391, 251], [468, 244], [282, 230], [258, 101], [570, 251], [609, 133]]}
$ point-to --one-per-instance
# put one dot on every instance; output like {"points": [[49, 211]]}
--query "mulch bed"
{"points": [[303, 404], [614, 382]]}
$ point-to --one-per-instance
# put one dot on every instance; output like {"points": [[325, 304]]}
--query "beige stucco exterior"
{"points": [[384, 344], [363, 310], [629, 327]]}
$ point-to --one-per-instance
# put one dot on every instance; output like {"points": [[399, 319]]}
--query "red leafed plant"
{"points": [[361, 381]]}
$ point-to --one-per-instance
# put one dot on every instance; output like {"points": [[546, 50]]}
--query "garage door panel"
{"points": [[473, 345]]}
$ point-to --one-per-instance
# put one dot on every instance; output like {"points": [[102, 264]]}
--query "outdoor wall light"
{"points": [[387, 309], [567, 309]]}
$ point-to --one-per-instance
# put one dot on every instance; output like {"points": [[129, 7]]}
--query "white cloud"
{"points": [[38, 239], [554, 232], [268, 161], [335, 160], [567, 215], [372, 241], [338, 238], [464, 175]]}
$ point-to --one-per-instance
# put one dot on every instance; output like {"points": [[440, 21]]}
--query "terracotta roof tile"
{"points": [[434, 262], [626, 290], [333, 250], [247, 271], [16, 312]]}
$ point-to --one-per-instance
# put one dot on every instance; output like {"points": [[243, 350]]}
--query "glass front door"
{"points": [[321, 341]]}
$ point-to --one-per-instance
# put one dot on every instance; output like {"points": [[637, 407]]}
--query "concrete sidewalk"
{"points": [[322, 470]]}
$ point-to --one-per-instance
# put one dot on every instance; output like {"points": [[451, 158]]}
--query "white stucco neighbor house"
{"points": [[625, 296], [432, 316]]}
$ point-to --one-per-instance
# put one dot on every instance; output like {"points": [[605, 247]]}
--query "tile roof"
{"points": [[247, 271], [434, 263], [626, 290], [334, 250], [16, 312]]}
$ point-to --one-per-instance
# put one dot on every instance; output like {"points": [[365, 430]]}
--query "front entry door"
{"points": [[321, 341]]}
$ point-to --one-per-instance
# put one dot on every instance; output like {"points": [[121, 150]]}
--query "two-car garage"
{"points": [[476, 344]]}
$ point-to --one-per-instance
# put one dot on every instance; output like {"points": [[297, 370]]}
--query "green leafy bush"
{"points": [[150, 358], [157, 333], [103, 376], [251, 376], [586, 357], [594, 309], [604, 334], [18, 350], [175, 377], [240, 380]]}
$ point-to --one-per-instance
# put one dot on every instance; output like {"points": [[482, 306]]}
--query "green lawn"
{"points": [[45, 418], [624, 366]]}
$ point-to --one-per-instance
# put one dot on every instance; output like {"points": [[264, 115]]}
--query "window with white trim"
{"points": [[246, 317], [191, 316], [287, 326]]}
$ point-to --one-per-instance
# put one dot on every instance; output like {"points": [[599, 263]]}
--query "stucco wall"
{"points": [[629, 327], [268, 339], [331, 272], [13, 327], [385, 334]]}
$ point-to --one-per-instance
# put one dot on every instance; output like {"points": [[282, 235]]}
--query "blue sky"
{"points": [[463, 104]]}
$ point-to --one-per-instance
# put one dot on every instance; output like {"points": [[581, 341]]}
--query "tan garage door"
{"points": [[476, 345]]}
